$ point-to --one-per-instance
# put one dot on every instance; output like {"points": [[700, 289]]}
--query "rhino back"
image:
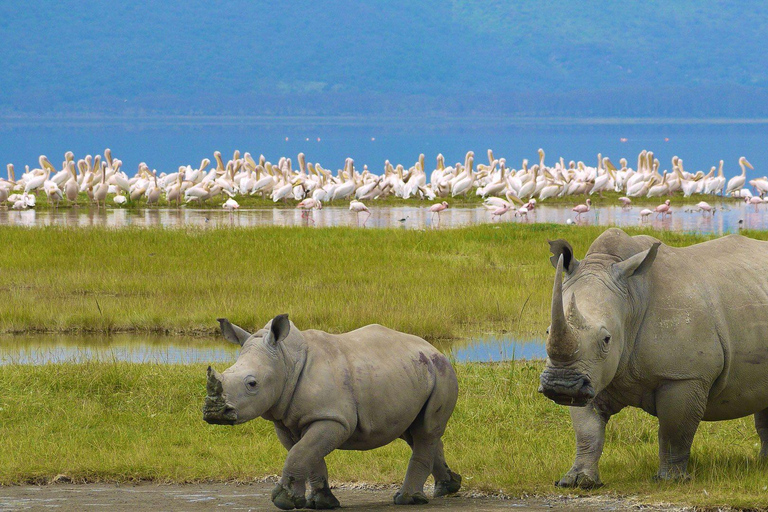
{"points": [[706, 319], [378, 379]]}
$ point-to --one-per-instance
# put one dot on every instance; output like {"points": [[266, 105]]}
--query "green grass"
{"points": [[436, 284], [120, 422]]}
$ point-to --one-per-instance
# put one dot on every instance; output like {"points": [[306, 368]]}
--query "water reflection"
{"points": [[684, 218], [42, 349]]}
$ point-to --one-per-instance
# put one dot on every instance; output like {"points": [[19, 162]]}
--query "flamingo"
{"points": [[582, 208], [307, 205], [357, 207], [437, 208], [663, 209], [644, 214], [706, 207], [230, 205], [500, 212], [755, 200], [625, 202]]}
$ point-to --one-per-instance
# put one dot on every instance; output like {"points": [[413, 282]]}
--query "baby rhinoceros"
{"points": [[354, 391]]}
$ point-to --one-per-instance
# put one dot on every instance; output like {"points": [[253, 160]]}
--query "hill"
{"points": [[461, 57]]}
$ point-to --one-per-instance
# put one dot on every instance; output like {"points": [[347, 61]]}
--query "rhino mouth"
{"points": [[217, 411], [566, 386]]}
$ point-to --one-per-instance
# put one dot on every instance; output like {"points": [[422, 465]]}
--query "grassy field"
{"points": [[119, 422], [436, 284]]}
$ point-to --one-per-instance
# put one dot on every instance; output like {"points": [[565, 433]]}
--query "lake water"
{"points": [[683, 218], [42, 349], [166, 143]]}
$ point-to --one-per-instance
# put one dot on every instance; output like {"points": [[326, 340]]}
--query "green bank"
{"points": [[123, 422], [439, 284]]}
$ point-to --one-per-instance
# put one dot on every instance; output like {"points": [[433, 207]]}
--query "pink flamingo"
{"points": [[307, 205], [523, 212], [663, 209], [530, 206], [499, 212], [755, 200], [439, 207], [625, 202], [357, 207], [644, 213], [706, 207], [582, 208]]}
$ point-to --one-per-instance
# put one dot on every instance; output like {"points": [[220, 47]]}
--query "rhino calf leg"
{"points": [[589, 426], [321, 497], [306, 460], [446, 481], [679, 407], [761, 425]]}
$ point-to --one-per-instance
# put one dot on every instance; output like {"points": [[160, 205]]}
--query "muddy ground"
{"points": [[145, 497]]}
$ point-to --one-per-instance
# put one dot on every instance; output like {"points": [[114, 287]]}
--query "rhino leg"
{"points": [[446, 481], [761, 425], [589, 425], [679, 407], [419, 468], [320, 439], [321, 496]]}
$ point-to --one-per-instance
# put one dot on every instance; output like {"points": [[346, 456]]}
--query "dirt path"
{"points": [[146, 497]]}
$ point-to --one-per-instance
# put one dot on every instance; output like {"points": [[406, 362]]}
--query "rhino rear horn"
{"points": [[214, 385], [233, 333], [562, 248], [279, 329]]}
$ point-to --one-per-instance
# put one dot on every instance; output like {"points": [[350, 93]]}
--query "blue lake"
{"points": [[42, 349]]}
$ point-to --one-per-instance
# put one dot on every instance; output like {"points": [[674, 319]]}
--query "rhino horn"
{"points": [[214, 385], [561, 344]]}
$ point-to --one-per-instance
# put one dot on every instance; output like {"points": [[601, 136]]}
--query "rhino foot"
{"points": [[285, 499], [579, 479], [322, 499], [450, 486], [672, 476], [417, 498]]}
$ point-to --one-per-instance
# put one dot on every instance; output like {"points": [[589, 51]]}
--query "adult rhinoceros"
{"points": [[678, 332], [353, 391]]}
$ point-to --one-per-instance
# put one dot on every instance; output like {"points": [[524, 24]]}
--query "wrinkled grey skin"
{"points": [[678, 332], [354, 391]]}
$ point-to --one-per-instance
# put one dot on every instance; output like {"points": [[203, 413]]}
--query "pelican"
{"points": [[737, 182]]}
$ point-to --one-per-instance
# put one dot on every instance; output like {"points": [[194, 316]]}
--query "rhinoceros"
{"points": [[354, 391], [677, 332]]}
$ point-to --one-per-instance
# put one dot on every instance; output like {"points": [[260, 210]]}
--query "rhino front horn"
{"points": [[561, 343], [214, 385]]}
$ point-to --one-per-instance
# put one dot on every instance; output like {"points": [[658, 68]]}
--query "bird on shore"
{"points": [[705, 207], [358, 207], [625, 202], [436, 209], [582, 208], [663, 209]]}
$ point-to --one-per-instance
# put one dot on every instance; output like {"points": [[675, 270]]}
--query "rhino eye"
{"points": [[607, 339], [250, 383]]}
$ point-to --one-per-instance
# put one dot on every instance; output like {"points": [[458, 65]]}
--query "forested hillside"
{"points": [[461, 57]]}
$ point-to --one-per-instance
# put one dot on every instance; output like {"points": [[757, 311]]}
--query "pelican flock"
{"points": [[502, 187]]}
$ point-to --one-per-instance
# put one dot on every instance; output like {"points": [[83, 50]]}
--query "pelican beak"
{"points": [[748, 164]]}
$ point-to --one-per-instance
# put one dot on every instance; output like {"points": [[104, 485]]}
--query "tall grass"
{"points": [[120, 421], [437, 284]]}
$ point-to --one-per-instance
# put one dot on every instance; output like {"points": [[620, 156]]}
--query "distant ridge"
{"points": [[679, 58]]}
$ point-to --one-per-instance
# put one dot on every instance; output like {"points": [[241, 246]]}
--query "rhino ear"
{"points": [[279, 329], [233, 333], [639, 263], [562, 248]]}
